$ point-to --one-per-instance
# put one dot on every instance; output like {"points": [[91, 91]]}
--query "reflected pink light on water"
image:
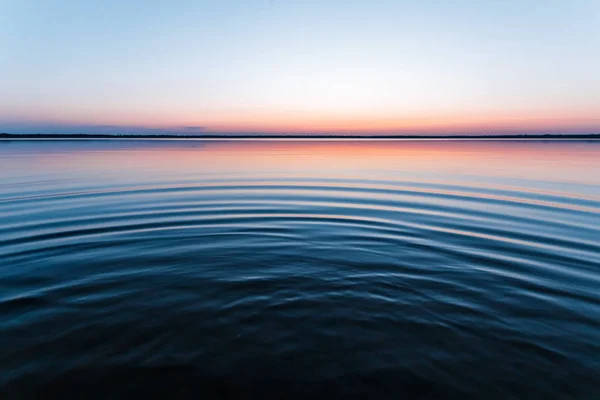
{"points": [[532, 160]]}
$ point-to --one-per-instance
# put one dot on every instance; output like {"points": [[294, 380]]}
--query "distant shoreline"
{"points": [[12, 136]]}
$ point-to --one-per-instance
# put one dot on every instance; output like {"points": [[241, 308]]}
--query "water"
{"points": [[368, 269]]}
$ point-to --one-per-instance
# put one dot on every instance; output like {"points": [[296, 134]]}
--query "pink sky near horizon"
{"points": [[324, 123]]}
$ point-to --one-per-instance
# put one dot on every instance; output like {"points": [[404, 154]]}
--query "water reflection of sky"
{"points": [[555, 165]]}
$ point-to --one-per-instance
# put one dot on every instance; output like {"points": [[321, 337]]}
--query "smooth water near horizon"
{"points": [[367, 269]]}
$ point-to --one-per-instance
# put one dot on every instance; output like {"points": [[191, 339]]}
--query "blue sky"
{"points": [[428, 66]]}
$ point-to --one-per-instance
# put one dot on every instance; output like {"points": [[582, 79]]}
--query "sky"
{"points": [[301, 67]]}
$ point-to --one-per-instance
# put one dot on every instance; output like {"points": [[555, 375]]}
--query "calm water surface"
{"points": [[374, 269]]}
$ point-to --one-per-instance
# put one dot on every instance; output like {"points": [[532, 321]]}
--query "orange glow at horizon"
{"points": [[307, 122]]}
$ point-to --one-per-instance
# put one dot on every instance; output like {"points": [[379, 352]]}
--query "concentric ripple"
{"points": [[368, 269]]}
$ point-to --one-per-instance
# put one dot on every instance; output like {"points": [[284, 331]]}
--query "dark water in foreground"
{"points": [[273, 269]]}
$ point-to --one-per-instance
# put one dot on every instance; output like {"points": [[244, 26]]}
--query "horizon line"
{"points": [[293, 136]]}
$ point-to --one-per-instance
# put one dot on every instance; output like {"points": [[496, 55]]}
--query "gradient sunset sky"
{"points": [[272, 66]]}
